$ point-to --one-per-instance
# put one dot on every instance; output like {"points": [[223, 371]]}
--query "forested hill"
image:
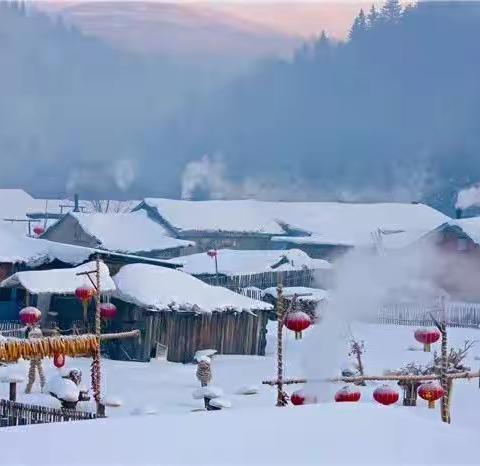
{"points": [[78, 114], [392, 113]]}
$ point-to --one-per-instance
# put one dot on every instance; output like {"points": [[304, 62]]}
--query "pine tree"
{"points": [[391, 11], [373, 17], [359, 26], [321, 47]]}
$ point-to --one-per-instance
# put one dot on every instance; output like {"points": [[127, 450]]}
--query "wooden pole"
{"points": [[446, 384], [96, 368], [379, 378], [281, 401], [13, 391]]}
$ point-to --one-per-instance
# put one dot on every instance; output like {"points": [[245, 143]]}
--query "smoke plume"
{"points": [[469, 197]]}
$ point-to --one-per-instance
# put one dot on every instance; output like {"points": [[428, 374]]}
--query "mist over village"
{"points": [[224, 225]]}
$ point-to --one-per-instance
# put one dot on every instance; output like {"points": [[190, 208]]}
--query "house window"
{"points": [[462, 244]]}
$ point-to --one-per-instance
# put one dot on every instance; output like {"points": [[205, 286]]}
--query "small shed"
{"points": [[181, 314], [53, 291]]}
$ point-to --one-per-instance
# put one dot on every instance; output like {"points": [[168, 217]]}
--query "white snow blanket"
{"points": [[243, 262], [334, 222], [60, 281], [375, 435], [128, 232], [162, 288]]}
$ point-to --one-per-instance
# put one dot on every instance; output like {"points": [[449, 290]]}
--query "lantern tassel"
{"points": [[85, 312], [426, 347], [298, 335], [431, 404]]}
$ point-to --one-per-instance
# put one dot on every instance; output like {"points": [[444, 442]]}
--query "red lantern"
{"points": [[108, 311], [38, 230], [30, 315], [298, 398], [297, 321], [385, 395], [427, 337], [84, 294], [431, 392], [212, 253], [58, 360], [347, 394]]}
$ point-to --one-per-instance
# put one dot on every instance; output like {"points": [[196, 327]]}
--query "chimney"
{"points": [[76, 207], [458, 213]]}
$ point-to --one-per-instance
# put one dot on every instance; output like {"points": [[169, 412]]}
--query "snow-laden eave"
{"points": [[186, 306]]}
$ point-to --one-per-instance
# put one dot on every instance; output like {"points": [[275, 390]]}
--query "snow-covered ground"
{"points": [[158, 422]]}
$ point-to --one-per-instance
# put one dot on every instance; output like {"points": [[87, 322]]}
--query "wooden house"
{"points": [[180, 315], [53, 292], [128, 233], [321, 229], [240, 269]]}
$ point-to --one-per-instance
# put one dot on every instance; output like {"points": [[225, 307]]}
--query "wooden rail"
{"points": [[18, 414]]}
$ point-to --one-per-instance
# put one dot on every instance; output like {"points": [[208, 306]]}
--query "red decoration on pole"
{"points": [[347, 394], [212, 253], [108, 311], [38, 230], [427, 337], [30, 315], [58, 360], [385, 395], [84, 293], [297, 321], [300, 398], [431, 392]]}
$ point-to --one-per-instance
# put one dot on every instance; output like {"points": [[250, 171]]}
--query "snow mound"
{"points": [[207, 392], [220, 403], [200, 355], [248, 390], [64, 389]]}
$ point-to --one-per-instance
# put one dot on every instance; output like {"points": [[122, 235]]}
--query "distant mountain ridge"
{"points": [[190, 32], [194, 31]]}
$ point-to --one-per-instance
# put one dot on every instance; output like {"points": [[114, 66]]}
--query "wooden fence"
{"points": [[262, 280], [457, 314], [20, 414], [12, 329]]}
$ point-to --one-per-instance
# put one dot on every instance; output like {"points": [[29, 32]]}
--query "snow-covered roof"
{"points": [[242, 262], [61, 281], [305, 293], [162, 288], [127, 232], [15, 248], [469, 226], [332, 222]]}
